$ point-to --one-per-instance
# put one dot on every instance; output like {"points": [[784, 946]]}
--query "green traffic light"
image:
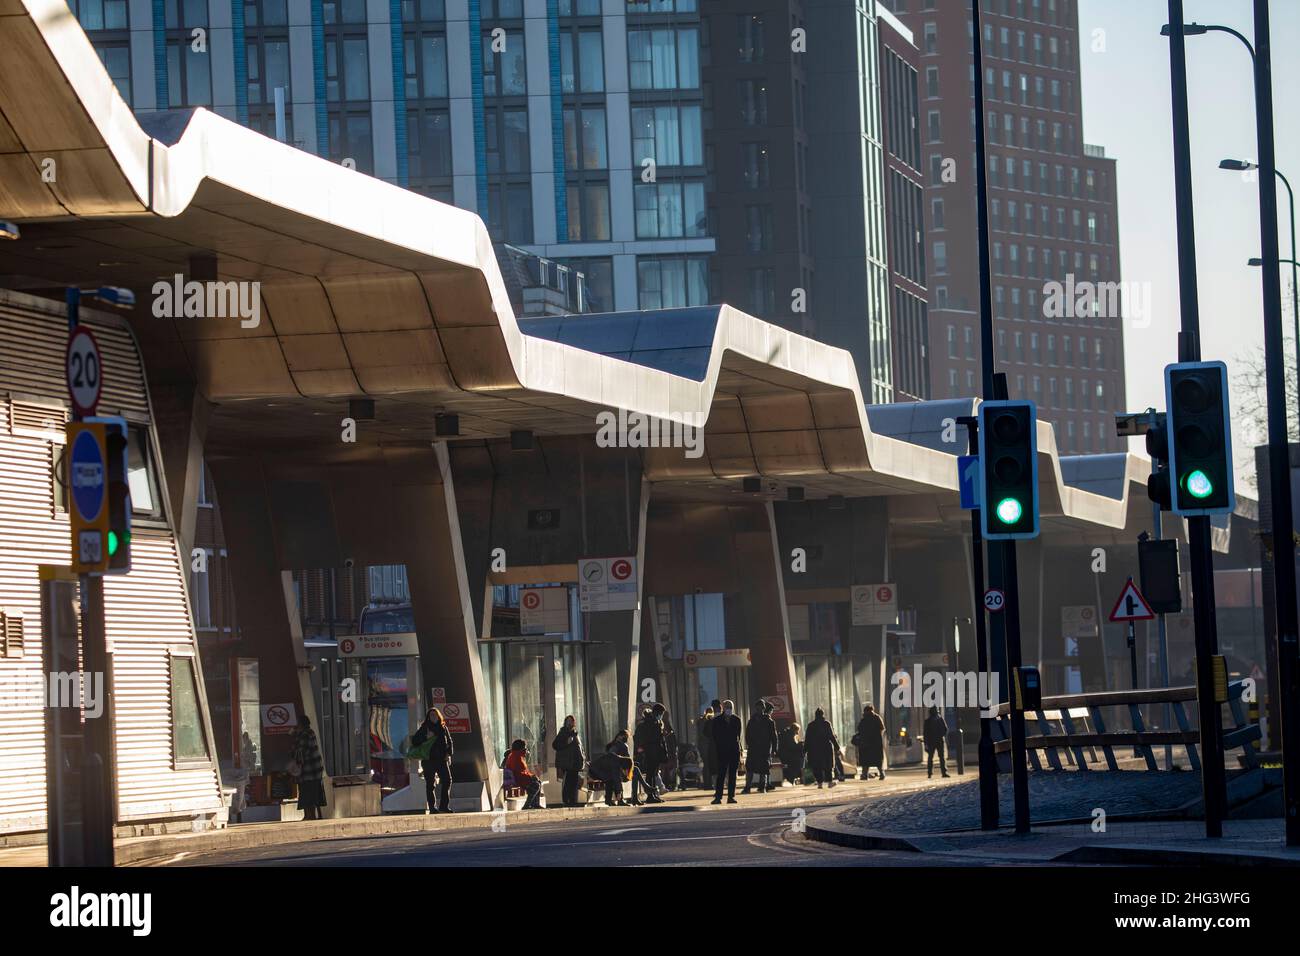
{"points": [[1009, 510], [1198, 484], [112, 543]]}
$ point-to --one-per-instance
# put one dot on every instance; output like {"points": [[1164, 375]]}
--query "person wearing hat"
{"points": [[760, 745]]}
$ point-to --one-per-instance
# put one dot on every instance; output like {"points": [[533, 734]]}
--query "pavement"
{"points": [[285, 840], [1113, 818]]}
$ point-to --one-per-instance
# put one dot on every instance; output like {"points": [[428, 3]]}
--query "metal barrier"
{"points": [[1073, 724]]}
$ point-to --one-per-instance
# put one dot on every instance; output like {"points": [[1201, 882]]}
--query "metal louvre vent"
{"points": [[11, 634], [31, 416]]}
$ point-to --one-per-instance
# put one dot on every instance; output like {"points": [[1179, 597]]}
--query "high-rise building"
{"points": [[805, 139], [675, 153], [1054, 224], [573, 127]]}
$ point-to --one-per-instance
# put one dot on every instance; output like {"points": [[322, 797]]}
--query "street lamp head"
{"points": [[1255, 262], [8, 230], [1240, 165], [1189, 30], [115, 296]]}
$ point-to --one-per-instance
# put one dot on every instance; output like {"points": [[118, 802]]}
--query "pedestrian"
{"points": [[726, 739], [619, 747], [650, 752], [821, 746], [760, 745], [611, 768], [936, 734], [525, 779], [569, 760], [435, 746], [871, 742], [708, 750], [791, 751], [307, 760]]}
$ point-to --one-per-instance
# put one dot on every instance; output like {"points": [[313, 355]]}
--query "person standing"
{"points": [[708, 750], [871, 742], [791, 751], [569, 760], [760, 745], [822, 746], [311, 770], [437, 762], [936, 733], [648, 741], [726, 739]]}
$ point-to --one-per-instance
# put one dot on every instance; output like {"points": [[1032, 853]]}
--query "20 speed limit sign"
{"points": [[84, 371], [994, 599]]}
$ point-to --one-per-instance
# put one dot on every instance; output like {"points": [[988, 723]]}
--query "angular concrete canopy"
{"points": [[368, 290]]}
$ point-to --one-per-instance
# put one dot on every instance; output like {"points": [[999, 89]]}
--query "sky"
{"points": [[1126, 110]]}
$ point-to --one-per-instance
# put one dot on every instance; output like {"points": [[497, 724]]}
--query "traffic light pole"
{"points": [[1279, 458], [988, 761], [1213, 777], [97, 803], [1002, 554]]}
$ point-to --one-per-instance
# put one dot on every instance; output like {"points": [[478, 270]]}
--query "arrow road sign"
{"points": [[968, 480], [1131, 606]]}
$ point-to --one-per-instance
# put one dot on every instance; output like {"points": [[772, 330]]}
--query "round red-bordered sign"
{"points": [[621, 569], [532, 600], [84, 370]]}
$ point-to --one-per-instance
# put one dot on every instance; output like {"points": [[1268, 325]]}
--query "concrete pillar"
{"points": [[269, 624], [428, 535], [180, 416]]}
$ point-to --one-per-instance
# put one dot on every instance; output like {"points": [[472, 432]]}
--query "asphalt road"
{"points": [[729, 836]]}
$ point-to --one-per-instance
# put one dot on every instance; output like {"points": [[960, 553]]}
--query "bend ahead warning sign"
{"points": [[1131, 606]]}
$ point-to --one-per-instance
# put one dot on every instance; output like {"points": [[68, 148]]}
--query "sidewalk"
{"points": [[144, 850], [915, 823]]}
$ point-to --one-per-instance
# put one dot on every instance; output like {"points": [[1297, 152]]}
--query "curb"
{"points": [[148, 850], [1137, 854], [824, 827]]}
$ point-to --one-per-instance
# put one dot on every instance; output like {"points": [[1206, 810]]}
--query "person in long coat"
{"points": [[726, 738], [708, 749], [437, 762], [821, 745], [569, 760], [871, 742], [760, 746], [311, 770]]}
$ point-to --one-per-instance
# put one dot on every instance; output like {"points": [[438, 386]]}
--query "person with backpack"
{"points": [[433, 743], [569, 760]]}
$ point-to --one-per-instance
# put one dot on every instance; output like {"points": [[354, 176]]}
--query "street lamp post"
{"points": [[1241, 165]]}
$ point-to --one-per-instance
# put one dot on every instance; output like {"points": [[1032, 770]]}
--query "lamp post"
{"points": [[1242, 165]]}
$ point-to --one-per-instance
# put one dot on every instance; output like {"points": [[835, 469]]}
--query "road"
{"points": [[728, 836]]}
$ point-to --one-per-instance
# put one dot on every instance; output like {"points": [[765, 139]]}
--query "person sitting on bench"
{"points": [[517, 765]]}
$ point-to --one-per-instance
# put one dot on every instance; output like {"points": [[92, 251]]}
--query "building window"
{"points": [[504, 72], [761, 292], [676, 282], [584, 138], [189, 71], [758, 228], [201, 592], [754, 167], [664, 59], [582, 61], [670, 210], [670, 135], [750, 45], [189, 740], [752, 95], [510, 212]]}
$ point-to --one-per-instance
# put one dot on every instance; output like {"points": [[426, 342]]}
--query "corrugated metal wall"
{"points": [[147, 611]]}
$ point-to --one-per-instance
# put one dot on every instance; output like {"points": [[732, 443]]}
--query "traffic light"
{"points": [[117, 452], [1008, 447], [1198, 430], [1158, 485]]}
